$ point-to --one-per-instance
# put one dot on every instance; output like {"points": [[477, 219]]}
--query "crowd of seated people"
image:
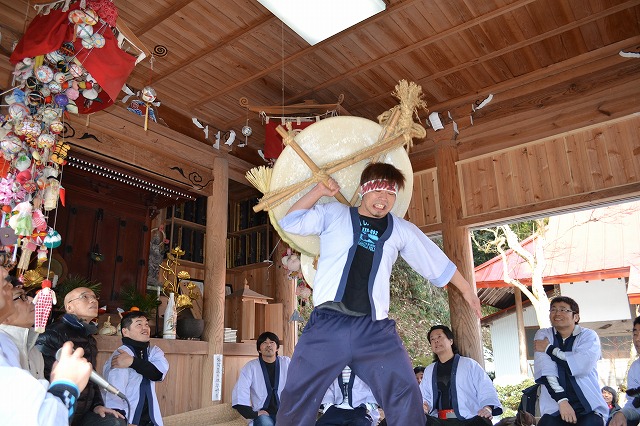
{"points": [[456, 391]]}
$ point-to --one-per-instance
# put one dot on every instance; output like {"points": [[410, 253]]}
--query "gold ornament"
{"points": [[171, 277]]}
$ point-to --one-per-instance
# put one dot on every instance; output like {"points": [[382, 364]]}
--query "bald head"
{"points": [[81, 302]]}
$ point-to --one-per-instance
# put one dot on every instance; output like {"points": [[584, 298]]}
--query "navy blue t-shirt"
{"points": [[356, 294]]}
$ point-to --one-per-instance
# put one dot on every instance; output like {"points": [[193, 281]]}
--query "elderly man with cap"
{"points": [[256, 394], [27, 400], [81, 306]]}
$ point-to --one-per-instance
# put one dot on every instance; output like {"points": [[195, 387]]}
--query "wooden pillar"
{"points": [[215, 272], [285, 294], [522, 340], [457, 246]]}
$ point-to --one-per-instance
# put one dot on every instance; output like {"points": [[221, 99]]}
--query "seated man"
{"points": [[133, 369], [565, 363], [349, 402], [630, 413], [455, 389], [18, 327], [30, 401], [81, 305], [256, 394]]}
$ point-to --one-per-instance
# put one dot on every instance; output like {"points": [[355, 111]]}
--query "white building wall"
{"points": [[504, 339], [605, 300]]}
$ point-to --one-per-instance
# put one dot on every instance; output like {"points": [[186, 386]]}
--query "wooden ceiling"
{"points": [[537, 57]]}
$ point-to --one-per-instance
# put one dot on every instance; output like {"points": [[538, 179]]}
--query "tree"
{"points": [[504, 238]]}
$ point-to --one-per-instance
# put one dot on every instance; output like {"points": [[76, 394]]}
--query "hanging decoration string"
{"points": [[148, 94]]}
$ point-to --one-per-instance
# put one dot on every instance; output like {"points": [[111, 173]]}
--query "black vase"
{"points": [[189, 328]]}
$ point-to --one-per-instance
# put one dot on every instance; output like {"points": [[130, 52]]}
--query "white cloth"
{"points": [[25, 400], [582, 361], [360, 394], [251, 389], [25, 340], [471, 389], [333, 223], [127, 381]]}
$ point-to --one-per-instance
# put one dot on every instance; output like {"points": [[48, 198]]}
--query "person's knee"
{"points": [[264, 420], [362, 421], [113, 421]]}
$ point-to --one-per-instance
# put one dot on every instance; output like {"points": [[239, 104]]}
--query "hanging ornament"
{"points": [[53, 239], [44, 301], [148, 95], [246, 129]]}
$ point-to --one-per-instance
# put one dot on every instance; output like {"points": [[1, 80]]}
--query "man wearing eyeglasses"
{"points": [[18, 328], [27, 400], [81, 306], [565, 364]]}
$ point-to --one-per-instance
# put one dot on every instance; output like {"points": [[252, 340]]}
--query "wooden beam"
{"points": [[277, 65], [167, 13], [566, 102], [562, 205], [479, 60], [211, 50], [588, 63], [453, 31], [156, 150]]}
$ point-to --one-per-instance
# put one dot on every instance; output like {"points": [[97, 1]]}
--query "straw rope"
{"points": [[398, 130]]}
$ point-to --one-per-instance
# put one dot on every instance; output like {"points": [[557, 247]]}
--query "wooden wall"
{"points": [[598, 163], [591, 160], [424, 208]]}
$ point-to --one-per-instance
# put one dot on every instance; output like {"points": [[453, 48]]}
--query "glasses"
{"points": [[22, 297], [85, 297], [561, 311]]}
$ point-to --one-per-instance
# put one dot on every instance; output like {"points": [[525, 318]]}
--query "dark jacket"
{"points": [[70, 328]]}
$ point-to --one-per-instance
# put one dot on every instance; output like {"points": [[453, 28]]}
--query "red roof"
{"points": [[586, 245]]}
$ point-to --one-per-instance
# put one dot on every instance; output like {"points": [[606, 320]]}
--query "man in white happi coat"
{"points": [[349, 324], [565, 363], [455, 389], [349, 402], [256, 394], [133, 369]]}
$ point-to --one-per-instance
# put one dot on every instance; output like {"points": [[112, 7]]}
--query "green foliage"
{"points": [[70, 283], [146, 302], [416, 305], [510, 396]]}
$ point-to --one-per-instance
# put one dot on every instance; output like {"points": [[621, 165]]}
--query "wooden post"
{"points": [[457, 246], [215, 272], [522, 340]]}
